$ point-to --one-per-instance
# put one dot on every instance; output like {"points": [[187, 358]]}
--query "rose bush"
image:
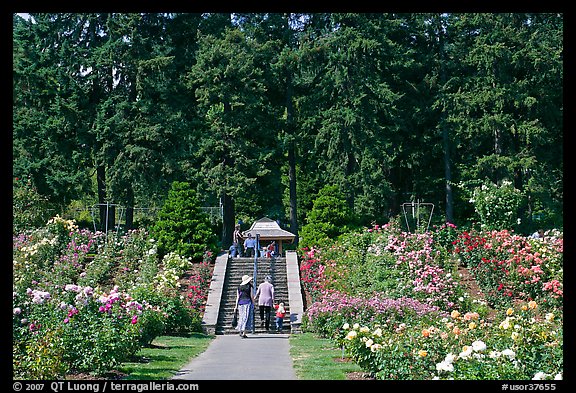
{"points": [[86, 302], [516, 333]]}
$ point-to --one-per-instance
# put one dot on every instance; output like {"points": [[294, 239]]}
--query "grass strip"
{"points": [[166, 356], [317, 358]]}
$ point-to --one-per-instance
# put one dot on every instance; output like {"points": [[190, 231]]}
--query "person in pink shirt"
{"points": [[265, 297]]}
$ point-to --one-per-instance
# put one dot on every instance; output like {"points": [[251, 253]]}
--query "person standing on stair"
{"points": [[236, 242], [280, 314], [249, 246], [244, 304], [265, 296]]}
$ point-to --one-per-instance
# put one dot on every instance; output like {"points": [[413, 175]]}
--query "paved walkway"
{"points": [[229, 357]]}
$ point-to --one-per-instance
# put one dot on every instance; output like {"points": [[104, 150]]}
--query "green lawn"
{"points": [[317, 358], [166, 357]]}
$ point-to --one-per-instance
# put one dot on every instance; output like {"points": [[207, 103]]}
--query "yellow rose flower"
{"points": [[422, 353], [510, 311]]}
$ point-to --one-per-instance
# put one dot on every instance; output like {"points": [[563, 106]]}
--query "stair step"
{"points": [[236, 268]]}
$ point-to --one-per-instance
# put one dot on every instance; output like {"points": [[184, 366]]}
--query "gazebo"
{"points": [[269, 230]]}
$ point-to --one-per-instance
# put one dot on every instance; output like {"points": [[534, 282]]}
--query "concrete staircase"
{"points": [[237, 267], [227, 275]]}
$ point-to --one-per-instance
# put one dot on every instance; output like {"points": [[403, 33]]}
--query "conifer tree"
{"points": [[182, 227]]}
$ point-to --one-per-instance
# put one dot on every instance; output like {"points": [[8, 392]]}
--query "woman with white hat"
{"points": [[244, 304]]}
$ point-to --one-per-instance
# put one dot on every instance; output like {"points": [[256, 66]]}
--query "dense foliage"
{"points": [[388, 107]]}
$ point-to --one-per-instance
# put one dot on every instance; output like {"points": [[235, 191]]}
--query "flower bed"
{"points": [[366, 288], [84, 302]]}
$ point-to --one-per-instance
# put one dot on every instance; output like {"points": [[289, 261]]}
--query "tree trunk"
{"points": [[129, 208], [292, 189], [445, 135], [227, 220], [291, 158], [101, 179]]}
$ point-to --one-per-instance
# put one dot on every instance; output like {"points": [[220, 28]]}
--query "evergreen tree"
{"points": [[350, 111], [330, 217], [181, 226], [236, 143]]}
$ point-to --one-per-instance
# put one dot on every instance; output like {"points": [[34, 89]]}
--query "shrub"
{"points": [[328, 218], [181, 226], [497, 205], [83, 330]]}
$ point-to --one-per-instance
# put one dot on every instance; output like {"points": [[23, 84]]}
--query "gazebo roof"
{"points": [[269, 229]]}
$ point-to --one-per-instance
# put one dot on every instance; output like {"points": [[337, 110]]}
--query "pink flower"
{"points": [[134, 319]]}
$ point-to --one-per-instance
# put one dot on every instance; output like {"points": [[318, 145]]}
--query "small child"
{"points": [[280, 313]]}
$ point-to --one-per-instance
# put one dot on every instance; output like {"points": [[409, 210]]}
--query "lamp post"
{"points": [[254, 277]]}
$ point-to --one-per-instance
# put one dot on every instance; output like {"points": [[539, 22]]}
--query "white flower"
{"points": [[346, 326], [443, 366], [558, 376], [450, 358], [369, 343], [466, 352], [539, 375], [478, 346], [505, 324], [494, 354], [510, 353]]}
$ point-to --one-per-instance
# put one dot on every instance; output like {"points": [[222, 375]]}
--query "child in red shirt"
{"points": [[280, 313]]}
